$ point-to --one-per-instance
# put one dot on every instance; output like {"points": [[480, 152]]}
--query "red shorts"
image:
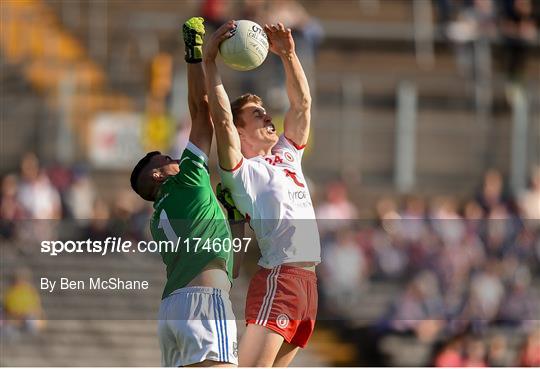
{"points": [[284, 299]]}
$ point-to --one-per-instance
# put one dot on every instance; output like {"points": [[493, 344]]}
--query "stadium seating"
{"points": [[366, 42]]}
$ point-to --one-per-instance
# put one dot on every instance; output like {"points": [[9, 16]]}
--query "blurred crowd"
{"points": [[512, 22], [21, 310], [47, 195], [48, 203], [461, 267], [476, 351]]}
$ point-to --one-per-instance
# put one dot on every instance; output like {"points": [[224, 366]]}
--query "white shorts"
{"points": [[197, 324]]}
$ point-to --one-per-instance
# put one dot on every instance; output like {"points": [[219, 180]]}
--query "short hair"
{"points": [[239, 103], [135, 174]]}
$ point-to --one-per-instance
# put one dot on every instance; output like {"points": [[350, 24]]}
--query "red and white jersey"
{"points": [[272, 193]]}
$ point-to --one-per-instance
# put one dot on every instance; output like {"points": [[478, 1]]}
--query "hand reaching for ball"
{"points": [[280, 39], [221, 34]]}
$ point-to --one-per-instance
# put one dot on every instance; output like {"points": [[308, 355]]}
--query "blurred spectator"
{"points": [[307, 33], [412, 225], [446, 11], [98, 227], [7, 330], [36, 193], [345, 276], [474, 19], [524, 245], [337, 211], [254, 10], [80, 197], [22, 303], [446, 221], [60, 177], [475, 353], [519, 31], [419, 309], [455, 302], [474, 23], [473, 215], [387, 216], [486, 295], [529, 355], [529, 201], [215, 12], [390, 258], [10, 209], [498, 355], [386, 210], [130, 216], [455, 262], [491, 193], [519, 307], [450, 355], [499, 231]]}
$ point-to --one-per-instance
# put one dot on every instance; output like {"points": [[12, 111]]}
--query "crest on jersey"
{"points": [[288, 156], [282, 321]]}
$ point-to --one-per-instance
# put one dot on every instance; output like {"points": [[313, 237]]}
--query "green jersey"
{"points": [[188, 215]]}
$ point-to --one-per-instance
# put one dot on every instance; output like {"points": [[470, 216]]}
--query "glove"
{"points": [[193, 32], [224, 196]]}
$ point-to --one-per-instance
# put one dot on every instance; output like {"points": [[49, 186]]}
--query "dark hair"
{"points": [[134, 179]]}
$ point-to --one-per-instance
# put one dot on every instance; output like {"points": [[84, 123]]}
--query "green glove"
{"points": [[193, 32], [224, 196]]}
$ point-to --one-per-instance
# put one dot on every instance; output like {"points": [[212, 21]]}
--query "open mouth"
{"points": [[270, 128]]}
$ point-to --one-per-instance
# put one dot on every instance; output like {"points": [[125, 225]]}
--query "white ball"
{"points": [[247, 48]]}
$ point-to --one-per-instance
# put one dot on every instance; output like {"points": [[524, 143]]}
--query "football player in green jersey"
{"points": [[196, 322]]}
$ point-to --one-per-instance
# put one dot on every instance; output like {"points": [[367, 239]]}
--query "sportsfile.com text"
{"points": [[118, 245]]}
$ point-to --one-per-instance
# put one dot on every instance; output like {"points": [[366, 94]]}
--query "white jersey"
{"points": [[272, 193]]}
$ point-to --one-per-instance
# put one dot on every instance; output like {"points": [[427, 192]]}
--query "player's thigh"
{"points": [[286, 354], [212, 363], [259, 346]]}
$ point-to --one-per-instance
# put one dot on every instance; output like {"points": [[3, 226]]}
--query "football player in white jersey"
{"points": [[264, 174]]}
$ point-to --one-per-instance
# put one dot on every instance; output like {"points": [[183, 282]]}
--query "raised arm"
{"points": [[297, 119], [201, 125], [228, 141]]}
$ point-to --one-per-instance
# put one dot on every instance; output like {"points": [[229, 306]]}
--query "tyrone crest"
{"points": [[282, 321], [288, 156]]}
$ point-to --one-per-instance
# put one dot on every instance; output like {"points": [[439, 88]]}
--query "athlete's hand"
{"points": [[220, 35], [193, 33], [224, 196], [280, 39]]}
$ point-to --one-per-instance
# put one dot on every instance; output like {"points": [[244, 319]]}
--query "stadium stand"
{"points": [[367, 53]]}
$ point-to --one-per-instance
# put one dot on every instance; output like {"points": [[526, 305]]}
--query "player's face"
{"points": [[258, 131], [166, 166]]}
